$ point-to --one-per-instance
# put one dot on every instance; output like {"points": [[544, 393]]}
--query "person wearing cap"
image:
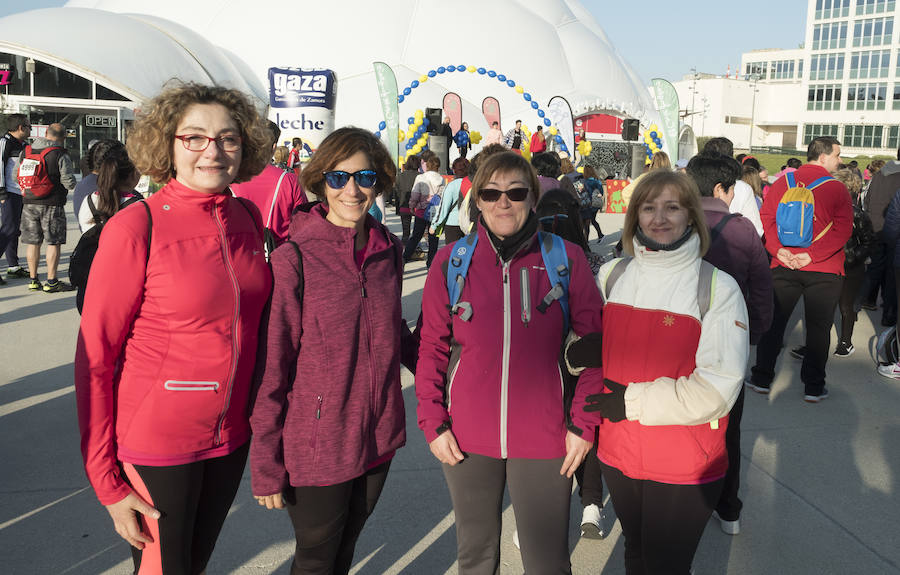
{"points": [[681, 165]]}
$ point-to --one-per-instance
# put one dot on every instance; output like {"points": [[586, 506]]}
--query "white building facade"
{"points": [[843, 82]]}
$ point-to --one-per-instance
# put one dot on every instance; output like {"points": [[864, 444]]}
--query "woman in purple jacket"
{"points": [[328, 413], [490, 389]]}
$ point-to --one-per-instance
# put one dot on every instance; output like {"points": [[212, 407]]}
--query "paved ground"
{"points": [[820, 482]]}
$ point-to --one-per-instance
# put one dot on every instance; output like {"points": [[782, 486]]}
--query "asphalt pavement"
{"points": [[819, 482]]}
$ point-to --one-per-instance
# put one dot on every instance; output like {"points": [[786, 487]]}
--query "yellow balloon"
{"points": [[475, 137], [470, 69], [416, 149], [580, 169], [423, 78], [647, 162], [553, 130], [401, 137], [653, 128], [418, 122], [520, 90], [419, 114]]}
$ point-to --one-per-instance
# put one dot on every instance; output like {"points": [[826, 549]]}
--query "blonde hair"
{"points": [[660, 161], [152, 138], [281, 155], [849, 179], [750, 175], [649, 188]]}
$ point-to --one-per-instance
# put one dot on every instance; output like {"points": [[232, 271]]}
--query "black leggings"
{"points": [[405, 224], [662, 523], [194, 500], [540, 499], [853, 279], [328, 520], [590, 479]]}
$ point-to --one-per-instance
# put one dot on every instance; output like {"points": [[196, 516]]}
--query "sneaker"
{"points": [[844, 349], [592, 522], [757, 387], [516, 539], [2, 281], [891, 370], [729, 527], [17, 273], [810, 398], [798, 352], [56, 286], [34, 285]]}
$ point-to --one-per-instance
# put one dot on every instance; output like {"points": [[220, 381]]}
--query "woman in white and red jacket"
{"points": [[671, 376], [168, 336], [490, 391], [328, 415]]}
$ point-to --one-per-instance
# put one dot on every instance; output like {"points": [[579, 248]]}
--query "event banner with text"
{"points": [[301, 102]]}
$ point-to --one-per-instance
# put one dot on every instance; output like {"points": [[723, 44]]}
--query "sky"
{"points": [[664, 38]]}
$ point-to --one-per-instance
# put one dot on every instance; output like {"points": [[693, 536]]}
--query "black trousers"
{"points": [[405, 223], [662, 523], [590, 479], [420, 227], [10, 222], [853, 279], [194, 500], [879, 276], [540, 499], [328, 521], [730, 505], [821, 292]]}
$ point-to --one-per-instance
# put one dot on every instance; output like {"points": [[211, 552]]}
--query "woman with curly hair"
{"points": [[168, 338]]}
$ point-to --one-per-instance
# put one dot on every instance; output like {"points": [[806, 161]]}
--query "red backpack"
{"points": [[34, 177]]}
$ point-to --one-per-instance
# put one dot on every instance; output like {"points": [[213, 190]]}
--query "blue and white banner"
{"points": [[301, 103]]}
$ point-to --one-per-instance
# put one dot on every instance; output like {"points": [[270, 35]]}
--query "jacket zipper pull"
{"points": [[362, 284], [319, 407]]}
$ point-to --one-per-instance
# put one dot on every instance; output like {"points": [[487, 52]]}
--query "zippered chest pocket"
{"points": [[177, 385]]}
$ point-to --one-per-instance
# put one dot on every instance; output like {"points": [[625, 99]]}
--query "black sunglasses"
{"points": [[515, 194], [337, 179]]}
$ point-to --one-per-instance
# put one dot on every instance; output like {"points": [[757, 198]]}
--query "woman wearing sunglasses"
{"points": [[491, 401], [168, 336], [328, 414]]}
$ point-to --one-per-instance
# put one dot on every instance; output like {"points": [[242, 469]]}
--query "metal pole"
{"points": [[755, 79]]}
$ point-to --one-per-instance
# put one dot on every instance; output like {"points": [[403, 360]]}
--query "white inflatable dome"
{"points": [[549, 47]]}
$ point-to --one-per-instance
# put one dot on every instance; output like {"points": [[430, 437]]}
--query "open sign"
{"points": [[100, 121]]}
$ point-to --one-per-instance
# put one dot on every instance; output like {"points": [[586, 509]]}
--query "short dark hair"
{"points": [[751, 162], [796, 163], [518, 121], [547, 164], [412, 162], [821, 145], [276, 131], [340, 145], [709, 170], [719, 145], [15, 121]]}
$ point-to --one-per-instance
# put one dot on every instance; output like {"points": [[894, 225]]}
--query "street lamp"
{"points": [[755, 79]]}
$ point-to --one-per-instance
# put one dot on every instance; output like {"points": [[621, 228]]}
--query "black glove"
{"points": [[610, 405], [586, 352]]}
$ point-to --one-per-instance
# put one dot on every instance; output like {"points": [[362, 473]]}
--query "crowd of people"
{"points": [[228, 318]]}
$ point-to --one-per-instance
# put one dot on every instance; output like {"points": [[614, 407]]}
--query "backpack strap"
{"points": [[819, 182], [93, 208], [274, 199], [614, 274], [457, 268], [149, 228], [556, 263], [243, 205], [791, 181], [706, 287], [715, 232]]}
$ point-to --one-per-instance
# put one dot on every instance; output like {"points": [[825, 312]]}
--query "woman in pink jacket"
{"points": [[168, 336], [491, 394], [328, 415]]}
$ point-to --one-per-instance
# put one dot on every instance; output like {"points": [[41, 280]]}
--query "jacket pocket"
{"points": [[177, 385]]}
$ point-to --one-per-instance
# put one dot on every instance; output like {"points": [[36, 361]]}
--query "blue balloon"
{"points": [[491, 74], [510, 83], [378, 135], [482, 71], [541, 113], [451, 68], [527, 96], [547, 122], [432, 73], [502, 78], [400, 99], [382, 125], [425, 122], [460, 68], [653, 135], [410, 120], [535, 105], [407, 91], [409, 145], [559, 139], [441, 70], [414, 84]]}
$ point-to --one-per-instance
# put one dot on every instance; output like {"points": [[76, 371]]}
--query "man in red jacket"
{"points": [[815, 272]]}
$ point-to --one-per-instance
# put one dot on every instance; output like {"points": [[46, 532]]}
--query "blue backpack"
{"points": [[795, 214], [556, 262]]}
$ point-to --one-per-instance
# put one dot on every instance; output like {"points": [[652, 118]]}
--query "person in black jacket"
{"points": [[402, 189], [855, 254]]}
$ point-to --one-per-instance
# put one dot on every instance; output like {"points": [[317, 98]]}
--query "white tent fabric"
{"points": [[549, 47], [131, 54]]}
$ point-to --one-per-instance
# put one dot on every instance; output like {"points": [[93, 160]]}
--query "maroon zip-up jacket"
{"points": [[329, 402]]}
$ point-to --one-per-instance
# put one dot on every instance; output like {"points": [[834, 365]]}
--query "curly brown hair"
{"points": [[340, 145], [152, 137]]}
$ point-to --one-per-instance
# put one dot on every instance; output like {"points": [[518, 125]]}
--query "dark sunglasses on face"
{"points": [[337, 179], [515, 194]]}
